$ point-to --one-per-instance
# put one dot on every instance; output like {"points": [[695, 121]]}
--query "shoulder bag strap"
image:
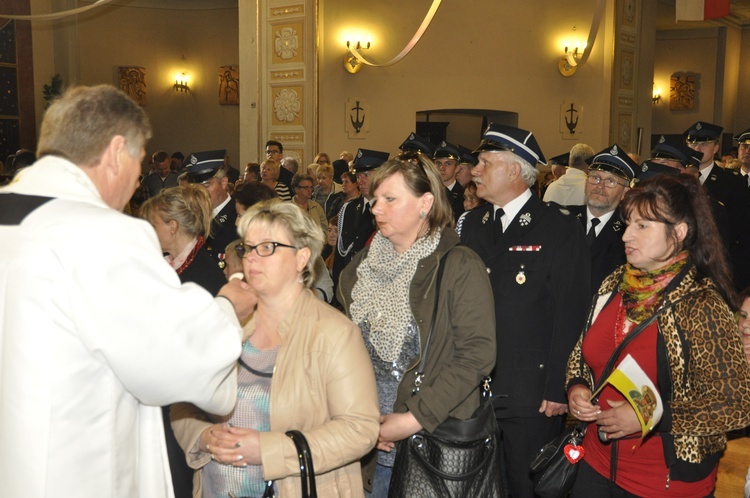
{"points": [[423, 360]]}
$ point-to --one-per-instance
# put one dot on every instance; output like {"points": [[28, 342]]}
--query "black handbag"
{"points": [[556, 465], [460, 458], [306, 469]]}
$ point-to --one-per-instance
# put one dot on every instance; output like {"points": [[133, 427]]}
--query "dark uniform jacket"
{"points": [[205, 272], [540, 276], [355, 228], [223, 230], [456, 199], [608, 250], [729, 188]]}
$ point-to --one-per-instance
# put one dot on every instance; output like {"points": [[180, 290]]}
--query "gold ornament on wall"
{"points": [[683, 91]]}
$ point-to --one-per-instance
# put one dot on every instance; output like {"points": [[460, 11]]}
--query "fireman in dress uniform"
{"points": [[610, 174], [206, 168], [356, 223], [446, 158], [539, 266]]}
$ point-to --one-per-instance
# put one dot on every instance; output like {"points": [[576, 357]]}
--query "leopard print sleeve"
{"points": [[710, 377]]}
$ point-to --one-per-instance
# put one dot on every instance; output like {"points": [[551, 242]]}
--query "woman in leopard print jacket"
{"points": [[692, 353]]}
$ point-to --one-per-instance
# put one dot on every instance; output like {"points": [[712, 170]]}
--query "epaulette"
{"points": [[559, 207]]}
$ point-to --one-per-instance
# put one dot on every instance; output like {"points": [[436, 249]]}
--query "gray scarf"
{"points": [[381, 294]]}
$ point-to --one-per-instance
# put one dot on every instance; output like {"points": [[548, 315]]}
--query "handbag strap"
{"points": [[306, 469], [423, 360]]}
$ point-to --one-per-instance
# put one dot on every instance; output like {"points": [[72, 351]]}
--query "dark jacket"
{"points": [[540, 275], [205, 272], [357, 225], [462, 348], [608, 250], [456, 199], [223, 230], [702, 374]]}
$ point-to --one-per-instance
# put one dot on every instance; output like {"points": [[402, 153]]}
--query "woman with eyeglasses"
{"points": [[389, 290], [673, 303], [302, 185], [303, 366]]}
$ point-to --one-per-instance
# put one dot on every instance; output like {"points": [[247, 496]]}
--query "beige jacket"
{"points": [[323, 384]]}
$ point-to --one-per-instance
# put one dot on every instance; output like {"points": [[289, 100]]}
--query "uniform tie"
{"points": [[591, 235], [498, 223]]}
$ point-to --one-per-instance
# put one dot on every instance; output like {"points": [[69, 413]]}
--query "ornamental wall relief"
{"points": [[288, 43], [287, 106]]}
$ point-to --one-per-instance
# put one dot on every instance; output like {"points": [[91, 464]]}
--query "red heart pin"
{"points": [[573, 452]]}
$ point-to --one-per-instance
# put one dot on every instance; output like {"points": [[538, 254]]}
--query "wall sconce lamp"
{"points": [[656, 96], [351, 63], [181, 84], [569, 62]]}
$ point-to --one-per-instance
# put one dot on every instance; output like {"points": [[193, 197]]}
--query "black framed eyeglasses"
{"points": [[264, 249]]}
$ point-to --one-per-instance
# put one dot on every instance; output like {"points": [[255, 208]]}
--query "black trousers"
{"points": [[523, 437]]}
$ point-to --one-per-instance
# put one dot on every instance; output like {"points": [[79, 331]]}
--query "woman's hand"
{"points": [[619, 421], [214, 440], [248, 446], [242, 296], [395, 427], [579, 404], [231, 445]]}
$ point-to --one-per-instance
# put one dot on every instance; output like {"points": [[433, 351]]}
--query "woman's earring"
{"points": [[421, 215]]}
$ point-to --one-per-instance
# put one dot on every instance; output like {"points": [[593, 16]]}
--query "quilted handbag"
{"points": [[461, 458]]}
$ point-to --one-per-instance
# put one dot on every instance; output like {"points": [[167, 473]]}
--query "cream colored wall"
{"points": [[482, 55], [157, 39]]}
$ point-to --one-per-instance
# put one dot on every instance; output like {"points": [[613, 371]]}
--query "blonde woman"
{"points": [[269, 175], [304, 366]]}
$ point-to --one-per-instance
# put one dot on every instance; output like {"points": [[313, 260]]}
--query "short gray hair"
{"points": [[301, 229], [528, 172], [80, 125], [579, 154]]}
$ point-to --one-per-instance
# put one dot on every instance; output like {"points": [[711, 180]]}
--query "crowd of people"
{"points": [[184, 321]]}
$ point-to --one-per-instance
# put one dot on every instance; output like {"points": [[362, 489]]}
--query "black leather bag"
{"points": [[554, 473], [461, 458], [306, 469]]}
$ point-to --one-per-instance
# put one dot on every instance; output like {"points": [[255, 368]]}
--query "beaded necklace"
{"points": [[191, 256]]}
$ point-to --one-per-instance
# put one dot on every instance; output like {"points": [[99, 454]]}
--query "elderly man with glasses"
{"points": [[609, 177]]}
